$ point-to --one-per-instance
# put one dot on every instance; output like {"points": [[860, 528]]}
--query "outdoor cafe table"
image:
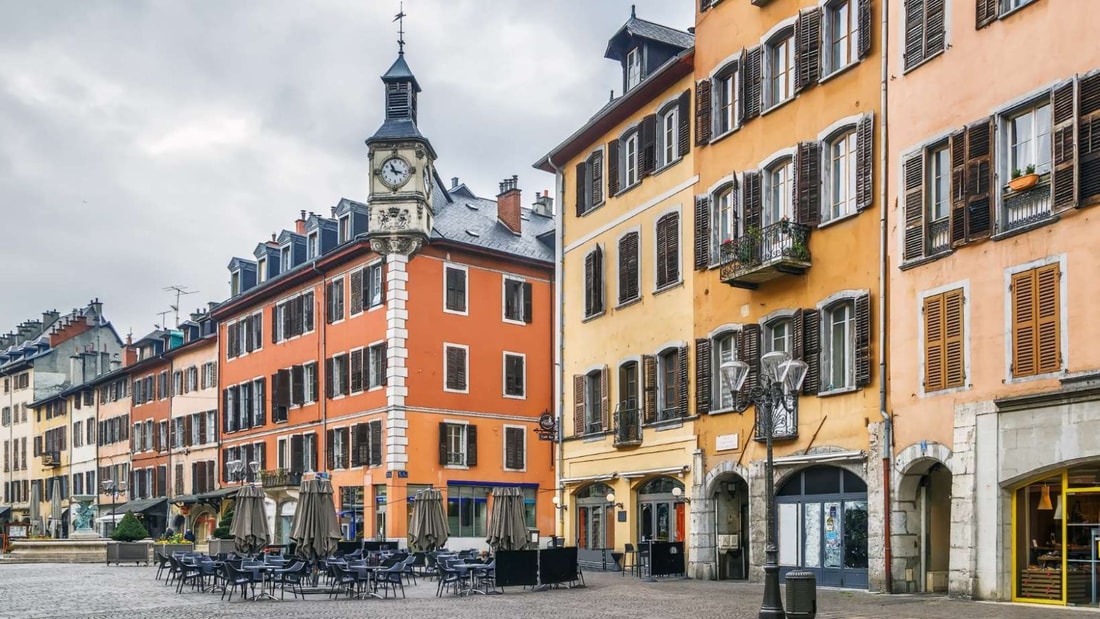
{"points": [[266, 572], [369, 574]]}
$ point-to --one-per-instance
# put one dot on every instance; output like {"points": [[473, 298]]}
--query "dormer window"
{"points": [[261, 266], [234, 283], [344, 228], [633, 67], [284, 259], [312, 247]]}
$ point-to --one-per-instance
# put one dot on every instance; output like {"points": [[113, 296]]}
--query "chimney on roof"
{"points": [[508, 204], [49, 317], [333, 211], [116, 363], [454, 182], [544, 204], [300, 223]]}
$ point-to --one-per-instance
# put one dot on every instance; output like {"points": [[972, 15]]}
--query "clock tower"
{"points": [[401, 160]]}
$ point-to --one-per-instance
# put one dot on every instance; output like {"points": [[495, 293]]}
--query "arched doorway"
{"points": [[660, 512], [924, 495], [730, 497], [593, 530], [822, 526]]}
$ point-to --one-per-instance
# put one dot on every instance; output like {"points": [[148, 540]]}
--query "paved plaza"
{"points": [[33, 591]]}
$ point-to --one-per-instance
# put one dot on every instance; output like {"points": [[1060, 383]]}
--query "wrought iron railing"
{"points": [[781, 240], [1023, 208], [628, 425], [939, 235], [280, 477]]}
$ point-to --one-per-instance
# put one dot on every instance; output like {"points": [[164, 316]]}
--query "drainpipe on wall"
{"points": [[322, 462], [887, 420], [558, 341]]}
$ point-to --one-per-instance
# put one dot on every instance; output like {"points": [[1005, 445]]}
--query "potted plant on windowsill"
{"points": [[1022, 181]]}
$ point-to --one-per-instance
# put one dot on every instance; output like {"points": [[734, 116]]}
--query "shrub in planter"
{"points": [[129, 529], [224, 526]]}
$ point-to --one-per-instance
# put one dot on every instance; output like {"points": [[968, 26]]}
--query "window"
{"points": [[373, 285], [1036, 321], [939, 197], [515, 375], [336, 300], [629, 274], [925, 31], [777, 192], [633, 67], [309, 383], [593, 402], [338, 376], [456, 368], [344, 228], [366, 444], [1029, 140], [779, 68], [313, 249], [726, 226], [458, 444], [285, 263], [590, 183], [723, 349], [669, 124], [777, 336], [593, 282], [628, 385], [726, 102], [293, 317], [454, 289], [365, 288], [841, 35], [668, 250], [517, 300], [668, 384], [261, 269], [840, 176], [515, 448], [336, 452], [631, 160], [839, 347], [235, 283], [944, 363]]}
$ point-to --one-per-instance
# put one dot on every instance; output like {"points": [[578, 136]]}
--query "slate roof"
{"points": [[641, 28], [397, 129], [399, 71], [473, 221]]}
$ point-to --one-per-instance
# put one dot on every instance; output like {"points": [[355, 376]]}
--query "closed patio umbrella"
{"points": [[428, 530], [315, 528], [36, 498], [507, 528], [55, 507], [250, 530]]}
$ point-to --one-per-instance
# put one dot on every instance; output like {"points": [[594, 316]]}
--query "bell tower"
{"points": [[401, 170]]}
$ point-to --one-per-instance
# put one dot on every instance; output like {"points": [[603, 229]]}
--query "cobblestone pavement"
{"points": [[35, 591]]}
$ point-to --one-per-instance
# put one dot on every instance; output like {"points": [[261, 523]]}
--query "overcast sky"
{"points": [[143, 144]]}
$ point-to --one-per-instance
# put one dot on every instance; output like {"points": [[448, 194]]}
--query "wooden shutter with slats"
{"points": [[682, 380], [605, 400], [628, 267], [648, 145], [683, 119], [863, 340], [934, 343], [444, 449], [613, 180], [582, 183], [807, 185], [375, 443], [865, 163], [1047, 319], [865, 28], [752, 84], [808, 52], [986, 13], [957, 222], [748, 350], [649, 388], [702, 376], [356, 300], [1063, 171], [578, 404], [471, 445], [752, 200], [1023, 324], [979, 179], [811, 350], [595, 173], [702, 232], [954, 368], [1088, 140], [935, 29], [913, 184], [914, 32], [702, 112]]}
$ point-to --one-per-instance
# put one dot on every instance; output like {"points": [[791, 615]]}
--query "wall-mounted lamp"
{"points": [[557, 503], [611, 501], [678, 495]]}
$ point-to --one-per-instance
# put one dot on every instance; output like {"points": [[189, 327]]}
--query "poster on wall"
{"points": [[832, 535]]}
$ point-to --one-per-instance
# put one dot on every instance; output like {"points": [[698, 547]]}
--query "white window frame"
{"points": [[462, 430], [829, 65], [662, 384], [313, 245], [338, 454], [717, 384], [376, 271], [363, 384], [668, 136], [336, 283], [718, 234], [465, 348], [631, 171], [634, 67], [466, 291], [343, 228], [771, 213], [504, 279], [261, 269], [593, 402], [504, 447], [729, 71], [308, 395], [368, 354], [848, 138], [504, 375], [779, 39], [768, 332], [286, 258], [963, 285], [281, 452], [828, 343], [234, 282], [1005, 120], [336, 374]]}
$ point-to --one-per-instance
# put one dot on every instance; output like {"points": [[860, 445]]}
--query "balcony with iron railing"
{"points": [[1025, 207], [51, 458], [764, 254], [280, 478], [628, 425], [939, 236]]}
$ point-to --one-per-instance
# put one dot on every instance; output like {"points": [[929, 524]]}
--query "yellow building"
{"points": [[625, 293], [787, 256]]}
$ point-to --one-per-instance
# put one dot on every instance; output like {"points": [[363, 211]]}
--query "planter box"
{"points": [[125, 552], [221, 545], [168, 549]]}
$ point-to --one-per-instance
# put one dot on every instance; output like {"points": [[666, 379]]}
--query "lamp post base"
{"points": [[772, 606]]}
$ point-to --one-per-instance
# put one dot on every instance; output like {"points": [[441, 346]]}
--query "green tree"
{"points": [[224, 526], [129, 529]]}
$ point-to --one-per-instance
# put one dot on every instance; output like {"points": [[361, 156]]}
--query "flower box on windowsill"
{"points": [[1023, 182]]}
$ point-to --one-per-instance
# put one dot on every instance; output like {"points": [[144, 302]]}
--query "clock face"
{"points": [[394, 172]]}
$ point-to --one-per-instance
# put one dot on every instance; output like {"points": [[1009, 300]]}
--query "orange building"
{"points": [[393, 372]]}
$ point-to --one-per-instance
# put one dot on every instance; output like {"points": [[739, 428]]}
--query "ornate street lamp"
{"points": [[780, 381], [113, 488]]}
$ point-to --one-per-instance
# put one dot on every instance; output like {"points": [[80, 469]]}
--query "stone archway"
{"points": [[921, 519], [714, 511]]}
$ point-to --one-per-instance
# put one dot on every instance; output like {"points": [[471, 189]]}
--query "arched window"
{"points": [[779, 68], [840, 175], [778, 335], [661, 514], [839, 343], [727, 223], [723, 348], [668, 132], [592, 522], [778, 191]]}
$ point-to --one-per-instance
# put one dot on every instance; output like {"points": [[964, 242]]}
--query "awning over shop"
{"points": [[140, 506], [185, 499], [215, 497]]}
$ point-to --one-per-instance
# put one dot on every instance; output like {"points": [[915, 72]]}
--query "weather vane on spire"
{"points": [[400, 18]]}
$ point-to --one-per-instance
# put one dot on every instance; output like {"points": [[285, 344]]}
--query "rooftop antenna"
{"points": [[180, 291], [162, 315], [400, 19]]}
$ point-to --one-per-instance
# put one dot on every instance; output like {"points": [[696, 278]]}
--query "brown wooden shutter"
{"points": [[297, 387], [986, 13], [682, 381], [934, 343], [865, 162], [578, 404], [329, 382], [375, 443], [330, 455], [811, 350], [683, 117], [356, 370], [1047, 319], [953, 339], [274, 322], [471, 445], [188, 427], [807, 186], [752, 200], [581, 171], [808, 51], [702, 232], [605, 400], [672, 256], [797, 338], [863, 340], [957, 222], [865, 28], [748, 350], [913, 182], [590, 284], [914, 32], [628, 267], [935, 29], [648, 141], [979, 179], [597, 280], [1064, 142], [1023, 324], [595, 170], [612, 168], [357, 292], [752, 78], [649, 387], [702, 112], [702, 376], [1088, 140]]}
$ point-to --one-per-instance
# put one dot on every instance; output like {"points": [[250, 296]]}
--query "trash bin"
{"points": [[801, 595]]}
